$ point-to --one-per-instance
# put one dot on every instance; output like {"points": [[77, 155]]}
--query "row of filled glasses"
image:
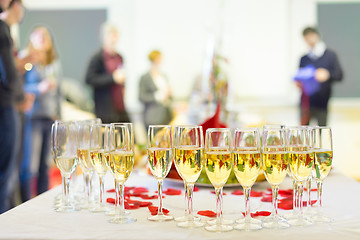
{"points": [[298, 151]]}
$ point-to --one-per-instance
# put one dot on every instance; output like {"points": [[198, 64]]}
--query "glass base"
{"points": [[122, 220], [321, 219], [252, 221], [161, 218], [275, 223], [190, 224], [99, 209], [291, 216], [112, 212], [248, 226], [219, 228], [224, 222], [185, 219], [65, 209], [300, 221]]}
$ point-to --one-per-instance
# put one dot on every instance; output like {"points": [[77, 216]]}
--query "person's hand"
{"points": [[298, 84], [45, 86], [27, 104], [322, 75], [118, 76]]}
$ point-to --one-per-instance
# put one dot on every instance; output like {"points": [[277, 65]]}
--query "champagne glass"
{"points": [[323, 154], [247, 165], [121, 164], [188, 162], [63, 147], [160, 157], [275, 164], [99, 152], [83, 154], [111, 211], [301, 159], [218, 165]]}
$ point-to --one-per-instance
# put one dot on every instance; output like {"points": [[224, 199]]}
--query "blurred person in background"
{"points": [[155, 93], [42, 78], [105, 74], [11, 92], [327, 71]]}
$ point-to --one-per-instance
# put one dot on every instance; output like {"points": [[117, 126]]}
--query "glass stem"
{"points": [[219, 193], [275, 191], [102, 194], [120, 203], [319, 192], [295, 197], [308, 186], [190, 190], [66, 181], [160, 208], [300, 193], [247, 191], [186, 199]]}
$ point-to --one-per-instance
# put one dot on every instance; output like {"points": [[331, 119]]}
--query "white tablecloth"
{"points": [[36, 218]]}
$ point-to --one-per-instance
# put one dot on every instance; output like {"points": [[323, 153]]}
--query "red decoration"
{"points": [[154, 210], [207, 213], [237, 192]]}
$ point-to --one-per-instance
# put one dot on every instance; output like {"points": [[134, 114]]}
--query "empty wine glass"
{"points": [[63, 148]]}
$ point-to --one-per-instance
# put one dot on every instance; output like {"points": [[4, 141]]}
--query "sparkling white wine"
{"points": [[275, 164], [160, 160], [188, 163], [66, 164], [84, 160], [322, 163], [247, 165], [121, 164], [98, 160], [218, 166], [301, 164]]}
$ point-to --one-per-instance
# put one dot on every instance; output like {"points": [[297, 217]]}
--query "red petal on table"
{"points": [[145, 196], [287, 192], [312, 190], [213, 192], [237, 192], [269, 189], [110, 190], [141, 189], [145, 204], [261, 213], [196, 189], [256, 194], [311, 203], [154, 210], [110, 200], [285, 204], [172, 191], [207, 213], [131, 206], [266, 199]]}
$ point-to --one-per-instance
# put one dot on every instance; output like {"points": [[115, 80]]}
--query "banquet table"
{"points": [[36, 219]]}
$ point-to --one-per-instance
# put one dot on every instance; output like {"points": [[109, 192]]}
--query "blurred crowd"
{"points": [[30, 96]]}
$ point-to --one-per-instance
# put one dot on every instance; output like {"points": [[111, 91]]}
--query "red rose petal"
{"points": [[261, 213], [146, 197], [266, 199], [256, 194], [207, 213], [237, 192], [288, 192], [131, 206], [111, 191], [110, 200], [172, 191], [196, 189], [154, 210]]}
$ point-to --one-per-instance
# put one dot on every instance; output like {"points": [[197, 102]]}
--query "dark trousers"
{"points": [[8, 137], [319, 114]]}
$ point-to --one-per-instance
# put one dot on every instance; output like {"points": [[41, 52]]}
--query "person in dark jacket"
{"points": [[106, 75], [328, 71], [11, 91]]}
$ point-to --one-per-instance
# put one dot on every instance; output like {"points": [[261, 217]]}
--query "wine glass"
{"points": [[111, 211], [275, 164], [160, 157], [323, 155], [121, 163], [99, 152], [247, 165], [83, 154], [63, 148], [188, 162], [218, 165], [301, 158]]}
